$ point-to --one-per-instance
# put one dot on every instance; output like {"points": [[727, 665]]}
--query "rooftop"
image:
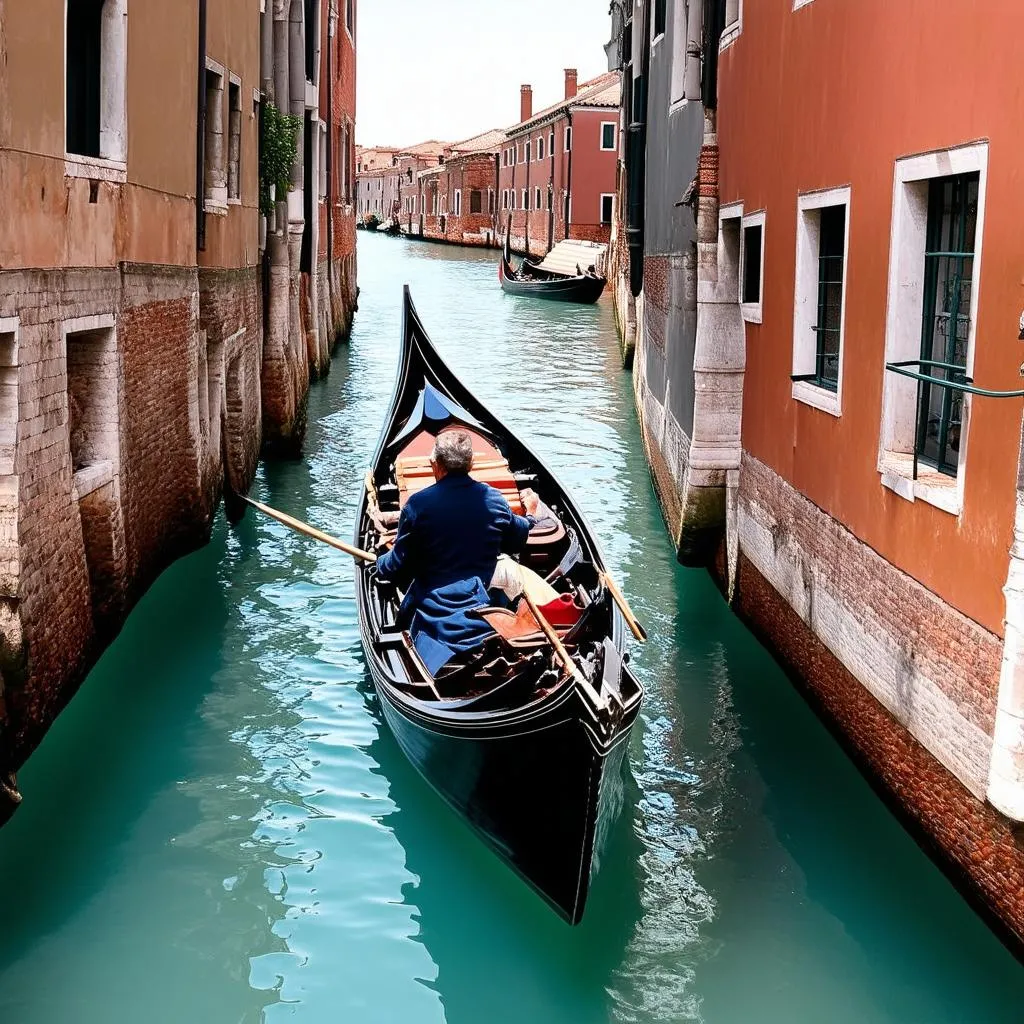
{"points": [[603, 91]]}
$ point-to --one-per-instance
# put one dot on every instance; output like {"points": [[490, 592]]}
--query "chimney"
{"points": [[525, 102], [570, 83]]}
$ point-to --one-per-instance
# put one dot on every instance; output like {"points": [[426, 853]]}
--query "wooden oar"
{"points": [[563, 655], [310, 531], [627, 613]]}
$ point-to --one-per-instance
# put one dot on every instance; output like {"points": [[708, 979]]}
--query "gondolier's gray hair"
{"points": [[453, 451]]}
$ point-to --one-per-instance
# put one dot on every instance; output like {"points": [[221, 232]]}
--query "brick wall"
{"points": [[90, 542]]}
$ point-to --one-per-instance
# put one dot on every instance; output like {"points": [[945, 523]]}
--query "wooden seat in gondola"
{"points": [[413, 471]]}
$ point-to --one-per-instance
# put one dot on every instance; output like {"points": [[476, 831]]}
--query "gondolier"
{"points": [[444, 556]]}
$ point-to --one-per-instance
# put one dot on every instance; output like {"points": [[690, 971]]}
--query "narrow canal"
{"points": [[220, 829]]}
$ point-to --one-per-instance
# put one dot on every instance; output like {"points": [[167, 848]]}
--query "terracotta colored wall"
{"points": [[233, 240], [593, 173], [593, 169], [867, 74]]}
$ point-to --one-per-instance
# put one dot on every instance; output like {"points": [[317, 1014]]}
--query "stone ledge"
{"points": [[92, 478]]}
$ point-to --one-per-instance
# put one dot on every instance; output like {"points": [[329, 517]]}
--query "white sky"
{"points": [[448, 69]]}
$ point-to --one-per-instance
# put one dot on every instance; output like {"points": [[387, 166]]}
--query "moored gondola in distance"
{"points": [[533, 279], [526, 735]]}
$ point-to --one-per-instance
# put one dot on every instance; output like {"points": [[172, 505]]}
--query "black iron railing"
{"points": [[965, 385]]}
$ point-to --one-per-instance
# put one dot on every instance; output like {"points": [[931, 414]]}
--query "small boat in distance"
{"points": [[525, 736], [543, 281]]}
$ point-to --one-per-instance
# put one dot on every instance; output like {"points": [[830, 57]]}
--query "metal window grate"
{"points": [[831, 245], [945, 322]]}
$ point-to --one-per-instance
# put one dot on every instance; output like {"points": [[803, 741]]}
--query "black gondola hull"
{"points": [[541, 783], [543, 798], [582, 289]]}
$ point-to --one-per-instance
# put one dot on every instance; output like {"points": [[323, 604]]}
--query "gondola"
{"points": [[532, 280], [531, 756]]}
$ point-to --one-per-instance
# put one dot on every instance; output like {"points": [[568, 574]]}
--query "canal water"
{"points": [[220, 830]]}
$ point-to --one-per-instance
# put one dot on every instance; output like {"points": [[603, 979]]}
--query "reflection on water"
{"points": [[220, 829]]}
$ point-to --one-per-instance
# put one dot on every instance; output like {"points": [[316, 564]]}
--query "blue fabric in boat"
{"points": [[432, 411], [447, 546]]}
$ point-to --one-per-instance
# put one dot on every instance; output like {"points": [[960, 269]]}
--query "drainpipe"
{"points": [[201, 134], [568, 185], [551, 193], [529, 198], [636, 153], [331, 30]]}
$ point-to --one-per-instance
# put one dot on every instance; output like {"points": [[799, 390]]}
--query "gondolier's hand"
{"points": [[531, 501]]}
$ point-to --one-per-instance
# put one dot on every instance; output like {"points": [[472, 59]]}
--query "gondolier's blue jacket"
{"points": [[449, 537]]}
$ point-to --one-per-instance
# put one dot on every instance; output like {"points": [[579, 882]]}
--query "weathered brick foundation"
{"points": [[132, 387], [907, 682]]}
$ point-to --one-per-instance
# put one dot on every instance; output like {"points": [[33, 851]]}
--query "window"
{"points": [[311, 9], [538, 202], [92, 396], [658, 20], [607, 208], [512, 199], [526, 151], [752, 263], [819, 309], [235, 143], [504, 158], [937, 228], [95, 70], [526, 199], [568, 138], [607, 134], [350, 17], [946, 316], [476, 204], [215, 173], [490, 200], [549, 197], [322, 161], [551, 144], [504, 199], [679, 56], [512, 156], [458, 202], [733, 22], [540, 149]]}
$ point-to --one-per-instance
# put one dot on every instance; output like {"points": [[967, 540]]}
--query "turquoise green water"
{"points": [[219, 828]]}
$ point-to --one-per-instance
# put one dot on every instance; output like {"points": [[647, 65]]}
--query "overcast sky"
{"points": [[448, 69]]}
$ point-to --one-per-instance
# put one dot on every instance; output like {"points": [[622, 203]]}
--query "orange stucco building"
{"points": [[835, 318]]}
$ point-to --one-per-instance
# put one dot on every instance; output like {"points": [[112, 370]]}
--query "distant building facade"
{"points": [[557, 173], [851, 419], [456, 200]]}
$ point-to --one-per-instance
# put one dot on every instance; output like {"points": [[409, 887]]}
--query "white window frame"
{"points": [[540, 149], [805, 296], [457, 208], [526, 199], [797, 4], [615, 136], [538, 202], [600, 208], [903, 323], [753, 312], [551, 143], [734, 28], [677, 93], [655, 39], [567, 139], [112, 163]]}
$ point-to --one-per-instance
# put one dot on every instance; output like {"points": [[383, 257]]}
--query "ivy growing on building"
{"points": [[277, 154]]}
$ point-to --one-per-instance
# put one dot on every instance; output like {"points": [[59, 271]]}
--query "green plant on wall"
{"points": [[277, 154]]}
